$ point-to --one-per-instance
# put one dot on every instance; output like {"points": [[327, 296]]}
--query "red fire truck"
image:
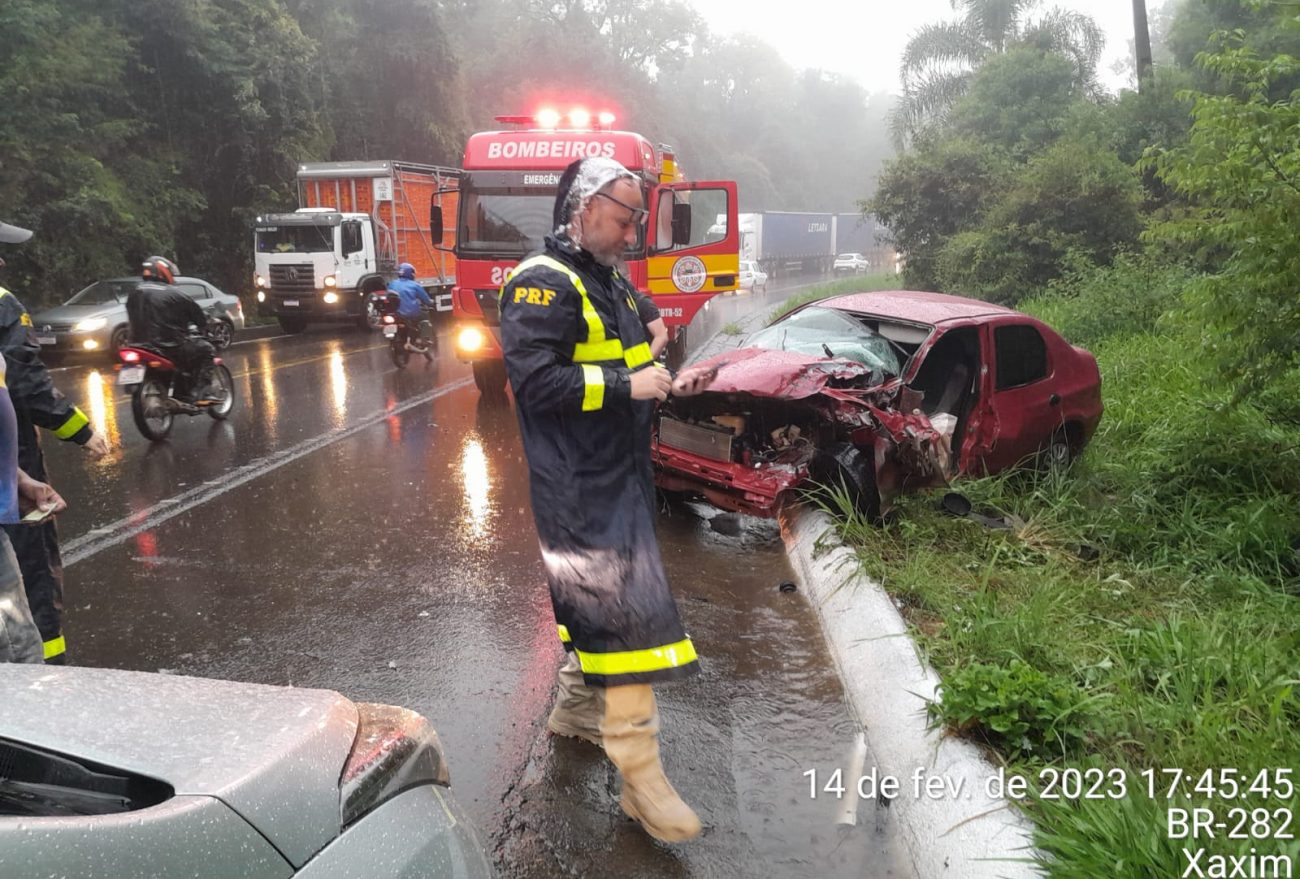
{"points": [[687, 252]]}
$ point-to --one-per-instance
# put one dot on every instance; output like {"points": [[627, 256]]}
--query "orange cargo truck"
{"points": [[355, 223]]}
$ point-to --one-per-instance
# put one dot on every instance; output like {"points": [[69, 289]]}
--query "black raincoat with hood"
{"points": [[572, 337]]}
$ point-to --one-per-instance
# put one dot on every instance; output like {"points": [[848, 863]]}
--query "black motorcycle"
{"points": [[404, 337], [160, 390]]}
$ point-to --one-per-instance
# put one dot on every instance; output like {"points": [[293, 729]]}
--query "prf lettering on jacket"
{"points": [[534, 296]]}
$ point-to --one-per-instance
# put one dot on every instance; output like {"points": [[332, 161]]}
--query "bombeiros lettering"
{"points": [[551, 149]]}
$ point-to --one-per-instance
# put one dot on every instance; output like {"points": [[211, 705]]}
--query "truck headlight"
{"points": [[259, 281], [330, 281], [469, 340], [90, 324], [330, 297], [261, 295]]}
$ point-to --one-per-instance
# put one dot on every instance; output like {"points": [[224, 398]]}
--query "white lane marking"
{"points": [[262, 339], [106, 536]]}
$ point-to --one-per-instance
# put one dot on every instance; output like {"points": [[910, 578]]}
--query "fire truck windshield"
{"points": [[507, 222]]}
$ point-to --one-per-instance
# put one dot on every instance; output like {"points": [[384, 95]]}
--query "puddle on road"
{"points": [[737, 739]]}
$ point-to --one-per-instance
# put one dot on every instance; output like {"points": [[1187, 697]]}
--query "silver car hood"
{"points": [[74, 313], [273, 754]]}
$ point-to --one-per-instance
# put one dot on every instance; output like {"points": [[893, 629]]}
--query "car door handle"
{"points": [[1054, 400]]}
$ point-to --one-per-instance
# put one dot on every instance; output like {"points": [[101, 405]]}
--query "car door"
{"points": [[200, 294], [1023, 403]]}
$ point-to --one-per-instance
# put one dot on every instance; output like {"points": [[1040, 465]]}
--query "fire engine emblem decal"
{"points": [[689, 274]]}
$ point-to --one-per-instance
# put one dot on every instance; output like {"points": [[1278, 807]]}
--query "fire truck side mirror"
{"points": [[435, 223], [681, 224]]}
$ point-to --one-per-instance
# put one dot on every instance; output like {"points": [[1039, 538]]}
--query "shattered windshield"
{"points": [[825, 332]]}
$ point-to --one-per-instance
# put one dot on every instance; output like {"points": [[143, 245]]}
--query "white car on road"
{"points": [[851, 262], [752, 278]]}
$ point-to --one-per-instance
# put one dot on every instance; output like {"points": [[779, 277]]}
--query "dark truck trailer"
{"points": [[788, 242]]}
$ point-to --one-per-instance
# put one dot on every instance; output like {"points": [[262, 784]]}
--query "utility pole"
{"points": [[1141, 44]]}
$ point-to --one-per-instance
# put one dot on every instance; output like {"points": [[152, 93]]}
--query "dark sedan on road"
{"points": [[878, 392], [94, 320], [107, 773]]}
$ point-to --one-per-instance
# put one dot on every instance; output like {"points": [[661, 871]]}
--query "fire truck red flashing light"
{"points": [[579, 119]]}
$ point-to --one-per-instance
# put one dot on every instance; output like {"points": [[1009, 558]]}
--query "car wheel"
{"points": [[118, 340], [1058, 454], [844, 467], [222, 335]]}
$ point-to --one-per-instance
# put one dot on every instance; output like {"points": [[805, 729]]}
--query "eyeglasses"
{"points": [[635, 215]]}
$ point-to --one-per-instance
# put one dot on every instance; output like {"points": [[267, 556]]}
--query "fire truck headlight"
{"points": [[330, 297], [470, 340]]}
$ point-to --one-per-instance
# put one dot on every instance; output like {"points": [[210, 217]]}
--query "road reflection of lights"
{"points": [[474, 474], [103, 413], [394, 421], [339, 385], [147, 545], [270, 400]]}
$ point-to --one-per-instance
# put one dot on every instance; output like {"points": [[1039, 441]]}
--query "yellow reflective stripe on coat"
{"points": [[76, 421], [564, 633], [55, 647], [597, 349], [628, 662], [593, 397]]}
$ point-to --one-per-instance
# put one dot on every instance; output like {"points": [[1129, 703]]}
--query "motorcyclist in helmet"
{"points": [[412, 297], [163, 317]]}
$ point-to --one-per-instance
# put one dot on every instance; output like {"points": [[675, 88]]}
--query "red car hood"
{"points": [[785, 374]]}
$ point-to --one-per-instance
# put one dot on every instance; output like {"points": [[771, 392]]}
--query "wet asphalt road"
{"points": [[368, 530]]}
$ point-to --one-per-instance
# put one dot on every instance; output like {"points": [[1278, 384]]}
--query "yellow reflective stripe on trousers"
{"points": [[628, 662], [76, 421], [593, 397], [55, 647], [564, 633]]}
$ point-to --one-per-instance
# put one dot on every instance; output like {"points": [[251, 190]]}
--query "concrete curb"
{"points": [[971, 834]]}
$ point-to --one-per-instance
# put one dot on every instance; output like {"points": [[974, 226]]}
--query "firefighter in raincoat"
{"points": [[585, 386], [37, 403]]}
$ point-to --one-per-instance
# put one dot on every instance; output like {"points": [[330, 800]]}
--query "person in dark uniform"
{"points": [[585, 385], [162, 316], [37, 403]]}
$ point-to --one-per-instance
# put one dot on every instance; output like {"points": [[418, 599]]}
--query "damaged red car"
{"points": [[878, 392]]}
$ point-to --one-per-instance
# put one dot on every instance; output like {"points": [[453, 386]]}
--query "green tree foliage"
{"points": [[68, 165], [940, 61], [1074, 199], [928, 195], [1241, 171]]}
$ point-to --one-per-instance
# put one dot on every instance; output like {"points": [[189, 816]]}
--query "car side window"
{"points": [[1021, 355], [194, 291]]}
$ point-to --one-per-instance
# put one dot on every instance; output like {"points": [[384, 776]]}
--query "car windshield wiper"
{"points": [[827, 349]]}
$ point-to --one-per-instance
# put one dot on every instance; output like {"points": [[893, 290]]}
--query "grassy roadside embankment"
{"points": [[1145, 616]]}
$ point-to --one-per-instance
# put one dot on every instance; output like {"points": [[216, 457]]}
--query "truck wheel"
{"points": [[292, 324], [370, 319], [490, 377], [675, 353]]}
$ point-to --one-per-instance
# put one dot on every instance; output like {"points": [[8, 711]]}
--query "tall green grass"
{"points": [[1154, 588]]}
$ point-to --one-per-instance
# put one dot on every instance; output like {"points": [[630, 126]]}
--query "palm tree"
{"points": [[941, 59]]}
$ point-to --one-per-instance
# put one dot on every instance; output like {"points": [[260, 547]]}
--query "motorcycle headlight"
{"points": [[90, 324]]}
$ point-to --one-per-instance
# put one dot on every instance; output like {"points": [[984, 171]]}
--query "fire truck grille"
{"points": [[293, 279]]}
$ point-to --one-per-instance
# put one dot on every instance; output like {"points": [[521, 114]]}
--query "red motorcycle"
{"points": [[160, 390]]}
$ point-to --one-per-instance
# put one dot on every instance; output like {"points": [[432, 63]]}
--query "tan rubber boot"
{"points": [[631, 735], [579, 708]]}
